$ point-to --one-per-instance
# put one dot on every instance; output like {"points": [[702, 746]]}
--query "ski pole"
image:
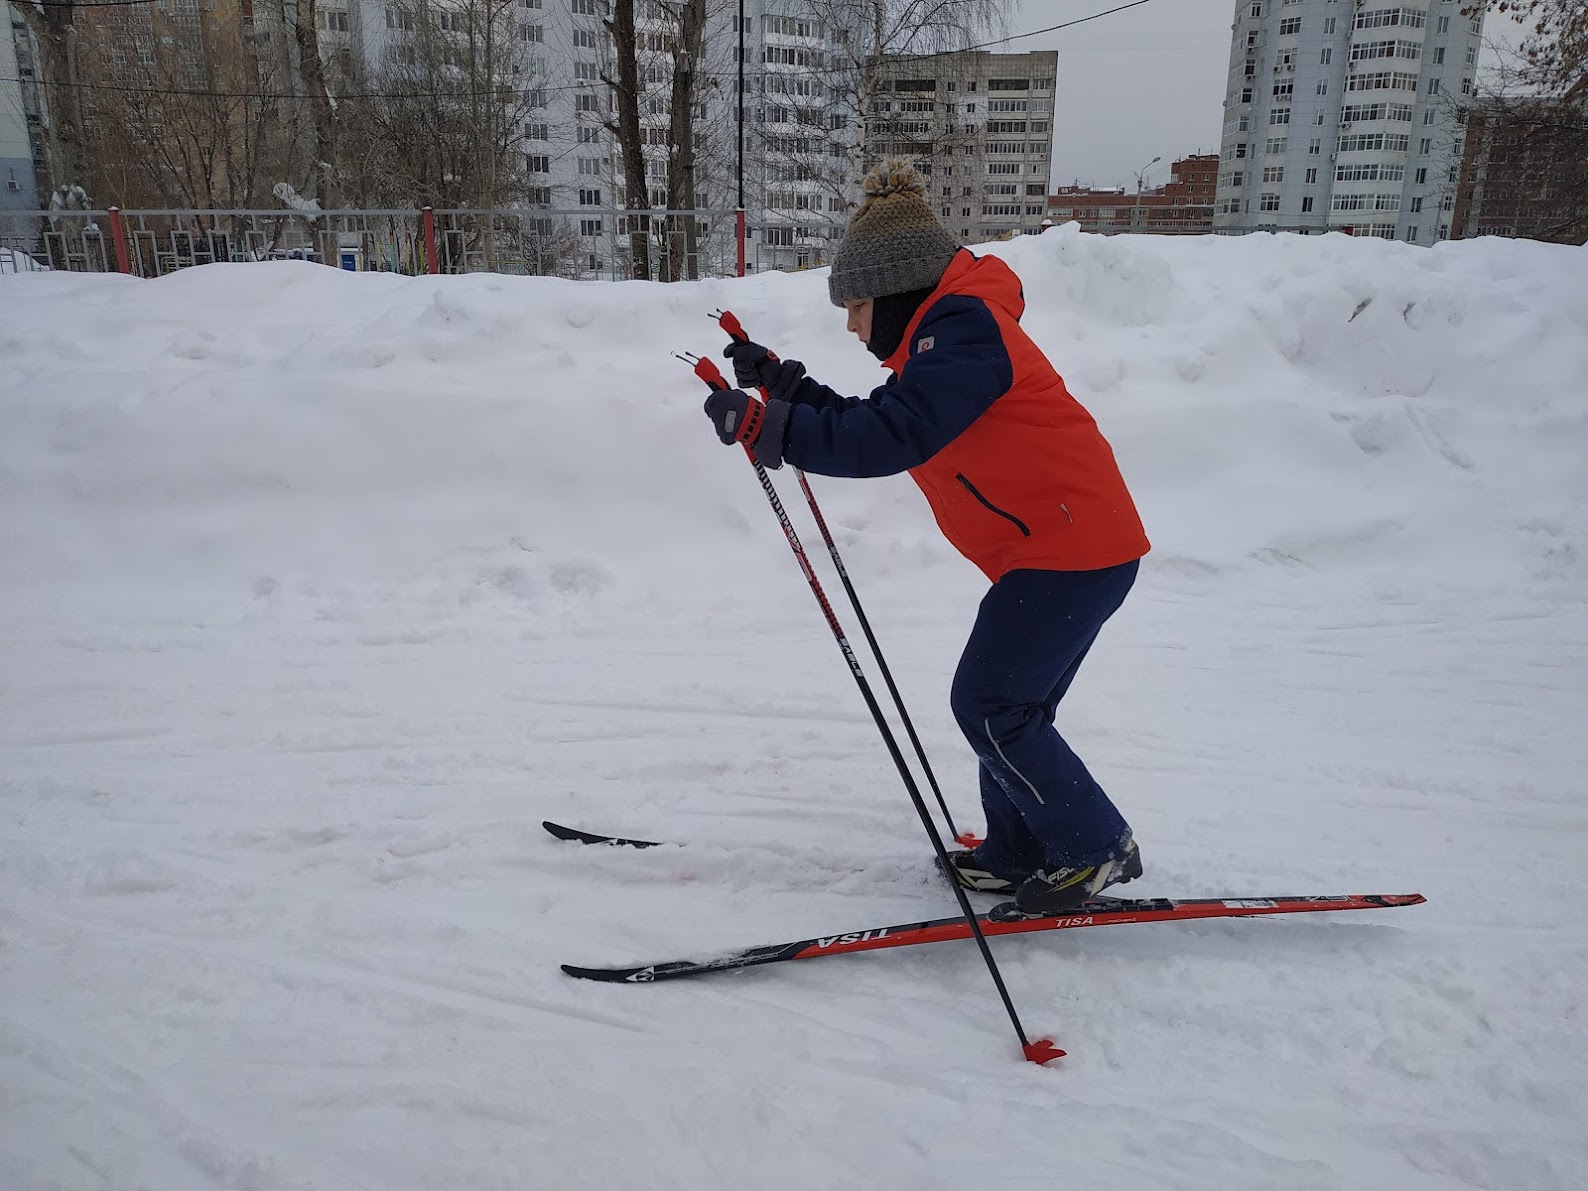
{"points": [[1042, 1050], [735, 330]]}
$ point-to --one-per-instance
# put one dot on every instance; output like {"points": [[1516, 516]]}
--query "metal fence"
{"points": [[584, 243]]}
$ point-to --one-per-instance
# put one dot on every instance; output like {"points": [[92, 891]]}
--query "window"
{"points": [[1312, 174], [1035, 190], [1274, 173], [536, 97], [1417, 204], [1366, 51], [1306, 203], [1421, 176], [1246, 95], [1433, 86], [1369, 173], [589, 198], [535, 33], [1240, 149], [537, 163], [1268, 202], [1326, 56], [1276, 144], [588, 8], [586, 103], [1257, 10], [1008, 84], [334, 21], [1439, 56], [1443, 26], [590, 167], [584, 39], [1315, 146], [1323, 86], [1383, 18], [1425, 145], [537, 132], [589, 227], [1279, 116], [1428, 116], [538, 196], [1281, 90], [1383, 81], [585, 72], [1289, 25], [1328, 24]]}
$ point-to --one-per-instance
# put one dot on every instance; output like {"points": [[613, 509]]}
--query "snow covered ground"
{"points": [[319, 591]]}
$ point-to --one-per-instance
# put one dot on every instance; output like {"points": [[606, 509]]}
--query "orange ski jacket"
{"points": [[1015, 470]]}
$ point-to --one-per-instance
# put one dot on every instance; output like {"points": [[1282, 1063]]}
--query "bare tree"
{"points": [[444, 124], [311, 73], [1554, 56], [55, 29], [831, 109], [682, 257], [626, 128], [176, 111]]}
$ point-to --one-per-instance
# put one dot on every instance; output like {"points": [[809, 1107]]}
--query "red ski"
{"points": [[1105, 911]]}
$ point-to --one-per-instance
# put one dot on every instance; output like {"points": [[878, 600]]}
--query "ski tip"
{"points": [[1392, 900], [610, 975], [1042, 1051]]}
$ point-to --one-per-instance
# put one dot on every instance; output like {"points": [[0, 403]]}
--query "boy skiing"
{"points": [[1020, 481]]}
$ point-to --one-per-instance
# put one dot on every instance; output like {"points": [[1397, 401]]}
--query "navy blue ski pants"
{"points": [[1032, 633]]}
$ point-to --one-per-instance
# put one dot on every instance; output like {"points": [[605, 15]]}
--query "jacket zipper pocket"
{"points": [[992, 508]]}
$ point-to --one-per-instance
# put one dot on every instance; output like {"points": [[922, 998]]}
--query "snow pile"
{"points": [[321, 589], [13, 261]]}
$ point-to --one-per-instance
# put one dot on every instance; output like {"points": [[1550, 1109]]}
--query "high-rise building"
{"points": [[980, 126], [1343, 115], [21, 118]]}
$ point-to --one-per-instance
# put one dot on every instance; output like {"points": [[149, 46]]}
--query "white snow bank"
{"points": [[321, 589]]}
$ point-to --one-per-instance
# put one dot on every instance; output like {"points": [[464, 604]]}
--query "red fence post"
{"points": [[118, 237], [738, 231], [428, 219]]}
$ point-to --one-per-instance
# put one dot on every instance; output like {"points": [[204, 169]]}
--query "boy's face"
{"points": [[860, 317]]}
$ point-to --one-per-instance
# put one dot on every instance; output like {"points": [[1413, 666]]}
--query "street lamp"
{"points": [[1135, 215]]}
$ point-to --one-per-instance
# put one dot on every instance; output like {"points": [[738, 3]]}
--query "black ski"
{"points": [[574, 835]]}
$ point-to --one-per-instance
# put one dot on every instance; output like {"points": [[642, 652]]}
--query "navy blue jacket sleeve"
{"points": [[937, 395]]}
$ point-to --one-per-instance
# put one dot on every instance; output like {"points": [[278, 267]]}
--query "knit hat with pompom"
{"points": [[894, 243]]}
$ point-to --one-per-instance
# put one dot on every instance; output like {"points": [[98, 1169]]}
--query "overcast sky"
{"points": [[1139, 84]]}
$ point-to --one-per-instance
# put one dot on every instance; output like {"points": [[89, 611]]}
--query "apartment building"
{"points": [[21, 119], [1525, 170], [980, 127], [1346, 115], [1181, 207]]}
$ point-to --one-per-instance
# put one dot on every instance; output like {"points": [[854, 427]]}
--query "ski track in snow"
{"points": [[321, 591]]}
